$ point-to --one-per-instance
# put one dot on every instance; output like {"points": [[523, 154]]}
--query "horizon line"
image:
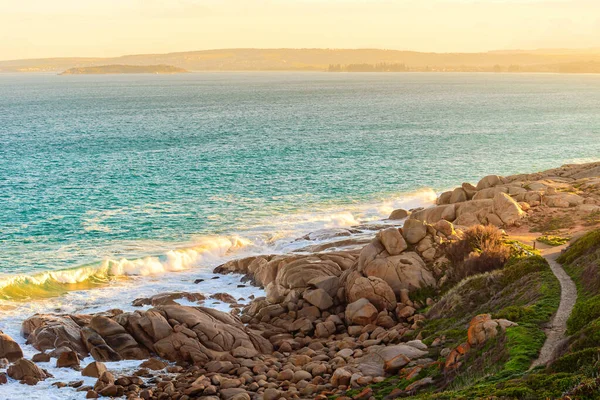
{"points": [[314, 48]]}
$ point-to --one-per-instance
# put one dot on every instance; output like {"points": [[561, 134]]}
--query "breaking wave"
{"points": [[52, 283], [276, 234]]}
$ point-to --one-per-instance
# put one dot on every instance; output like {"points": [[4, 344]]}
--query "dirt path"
{"points": [[568, 295]]}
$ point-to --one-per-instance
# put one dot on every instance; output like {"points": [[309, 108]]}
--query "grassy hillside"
{"points": [[525, 291]]}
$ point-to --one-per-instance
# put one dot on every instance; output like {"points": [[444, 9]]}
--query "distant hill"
{"points": [[125, 69], [553, 60]]}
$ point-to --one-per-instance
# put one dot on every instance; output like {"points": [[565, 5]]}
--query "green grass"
{"points": [[526, 292], [553, 240], [586, 243]]}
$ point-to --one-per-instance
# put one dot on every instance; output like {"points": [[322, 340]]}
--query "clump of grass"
{"points": [[520, 250], [553, 240]]}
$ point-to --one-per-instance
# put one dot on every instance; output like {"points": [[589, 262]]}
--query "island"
{"points": [[124, 69]]}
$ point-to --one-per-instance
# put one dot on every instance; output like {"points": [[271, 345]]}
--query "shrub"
{"points": [[482, 249], [491, 259]]}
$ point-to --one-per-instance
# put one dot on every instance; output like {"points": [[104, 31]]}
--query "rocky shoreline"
{"points": [[332, 323]]}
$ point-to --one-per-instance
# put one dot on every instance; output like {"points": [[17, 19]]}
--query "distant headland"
{"points": [[124, 69], [332, 60]]}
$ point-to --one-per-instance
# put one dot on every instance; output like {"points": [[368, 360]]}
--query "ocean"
{"points": [[118, 186]]}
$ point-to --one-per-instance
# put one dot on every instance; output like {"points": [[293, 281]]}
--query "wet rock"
{"points": [[48, 332], [94, 369], [224, 297], [9, 349], [23, 368], [168, 298], [40, 357], [153, 364], [118, 339], [68, 360]]}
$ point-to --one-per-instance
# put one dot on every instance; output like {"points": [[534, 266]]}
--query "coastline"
{"points": [[310, 311]]}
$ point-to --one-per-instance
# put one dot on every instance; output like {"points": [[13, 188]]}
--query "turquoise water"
{"points": [[109, 167]]}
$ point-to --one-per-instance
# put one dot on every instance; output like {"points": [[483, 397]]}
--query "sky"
{"points": [[105, 28]]}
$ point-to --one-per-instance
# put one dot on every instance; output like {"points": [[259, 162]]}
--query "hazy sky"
{"points": [[49, 28]]}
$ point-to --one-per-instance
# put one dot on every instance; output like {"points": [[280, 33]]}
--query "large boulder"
{"points": [[399, 214], [489, 181], [445, 227], [468, 213], [444, 198], [563, 200], [361, 312], [298, 273], [290, 271], [97, 347], [507, 209], [458, 196], [469, 189], [329, 284], [404, 271], [209, 334], [392, 240], [318, 298], [24, 369], [372, 288], [118, 338], [389, 359], [49, 332], [432, 215], [9, 349], [168, 298], [489, 193], [414, 230]]}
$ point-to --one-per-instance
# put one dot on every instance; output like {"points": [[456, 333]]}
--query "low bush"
{"points": [[482, 249]]}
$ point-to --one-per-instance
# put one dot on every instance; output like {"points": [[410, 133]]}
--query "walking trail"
{"points": [[568, 295]]}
